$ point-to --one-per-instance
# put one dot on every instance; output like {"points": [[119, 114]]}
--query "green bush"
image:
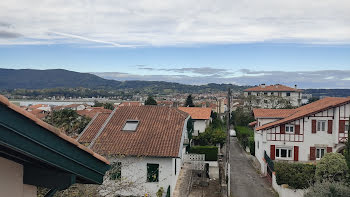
{"points": [[243, 133], [251, 145], [211, 152], [332, 166], [296, 175], [327, 189], [214, 134]]}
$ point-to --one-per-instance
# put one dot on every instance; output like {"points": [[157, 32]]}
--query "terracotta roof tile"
{"points": [[158, 134], [41, 114], [272, 88], [309, 109], [131, 103], [92, 129], [273, 113], [197, 113], [48, 127]]}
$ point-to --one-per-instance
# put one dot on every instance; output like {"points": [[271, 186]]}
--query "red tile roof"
{"points": [[41, 114], [37, 106], [50, 128], [91, 130], [273, 113], [131, 103], [308, 110], [252, 123], [197, 113], [158, 134], [272, 88]]}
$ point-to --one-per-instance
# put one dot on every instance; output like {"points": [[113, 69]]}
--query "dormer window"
{"points": [[131, 125]]}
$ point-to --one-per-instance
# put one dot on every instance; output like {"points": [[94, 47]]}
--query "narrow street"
{"points": [[245, 180]]}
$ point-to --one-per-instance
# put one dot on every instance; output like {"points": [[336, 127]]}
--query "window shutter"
{"points": [[283, 128], [297, 129], [313, 126], [330, 126], [312, 153], [296, 153], [341, 126], [329, 149], [272, 152]]}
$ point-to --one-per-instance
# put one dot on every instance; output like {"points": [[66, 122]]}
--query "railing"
{"points": [[269, 161]]}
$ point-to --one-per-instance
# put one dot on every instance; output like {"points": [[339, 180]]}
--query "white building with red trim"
{"points": [[303, 134], [272, 96]]}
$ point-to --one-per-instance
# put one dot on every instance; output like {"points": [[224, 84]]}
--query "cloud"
{"points": [[209, 71], [7, 34], [304, 79], [182, 22]]}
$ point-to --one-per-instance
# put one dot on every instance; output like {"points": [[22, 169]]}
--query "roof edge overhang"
{"points": [[25, 137]]}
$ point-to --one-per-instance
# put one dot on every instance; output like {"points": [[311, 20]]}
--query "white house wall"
{"points": [[134, 176], [199, 126], [11, 180]]}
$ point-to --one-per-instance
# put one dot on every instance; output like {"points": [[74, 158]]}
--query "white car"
{"points": [[232, 133]]}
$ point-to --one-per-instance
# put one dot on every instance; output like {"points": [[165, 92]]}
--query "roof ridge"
{"points": [[102, 128], [87, 126]]}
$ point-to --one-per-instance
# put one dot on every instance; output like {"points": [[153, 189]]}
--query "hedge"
{"points": [[251, 145], [211, 152], [243, 133], [296, 175]]}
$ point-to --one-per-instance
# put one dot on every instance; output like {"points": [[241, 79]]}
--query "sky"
{"points": [[194, 42]]}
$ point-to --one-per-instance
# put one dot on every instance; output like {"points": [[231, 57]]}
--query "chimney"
{"points": [[263, 85], [295, 86]]}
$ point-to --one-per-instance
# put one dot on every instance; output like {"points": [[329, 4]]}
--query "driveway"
{"points": [[245, 180]]}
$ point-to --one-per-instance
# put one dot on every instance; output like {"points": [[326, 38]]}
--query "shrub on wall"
{"points": [[332, 166], [211, 152], [328, 188], [296, 175]]}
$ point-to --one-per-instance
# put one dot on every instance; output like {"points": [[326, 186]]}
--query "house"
{"points": [[35, 154], [200, 117], [273, 96], [145, 145], [303, 134]]}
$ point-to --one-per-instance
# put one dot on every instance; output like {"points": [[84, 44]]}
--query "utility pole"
{"points": [[228, 114]]}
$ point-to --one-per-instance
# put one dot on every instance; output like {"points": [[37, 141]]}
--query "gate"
{"points": [[270, 166]]}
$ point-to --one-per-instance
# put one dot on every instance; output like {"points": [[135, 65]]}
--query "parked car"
{"points": [[232, 133]]}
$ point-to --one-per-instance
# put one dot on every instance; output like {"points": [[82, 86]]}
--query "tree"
{"points": [[150, 101], [242, 117], [68, 120], [189, 101], [328, 189], [108, 106], [332, 166]]}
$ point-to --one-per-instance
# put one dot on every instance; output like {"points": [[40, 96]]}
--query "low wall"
{"points": [[286, 192]]}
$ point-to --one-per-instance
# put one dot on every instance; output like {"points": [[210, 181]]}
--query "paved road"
{"points": [[245, 181]]}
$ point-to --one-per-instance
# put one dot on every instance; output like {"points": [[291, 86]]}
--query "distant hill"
{"points": [[58, 78], [40, 79], [328, 92]]}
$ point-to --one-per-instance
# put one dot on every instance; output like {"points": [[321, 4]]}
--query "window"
{"points": [[175, 166], [288, 94], [152, 172], [116, 171], [265, 93], [320, 153], [249, 93], [130, 125], [321, 125], [289, 128], [272, 93], [346, 126], [284, 153]]}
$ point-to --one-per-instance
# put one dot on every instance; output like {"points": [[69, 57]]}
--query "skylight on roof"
{"points": [[131, 125]]}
